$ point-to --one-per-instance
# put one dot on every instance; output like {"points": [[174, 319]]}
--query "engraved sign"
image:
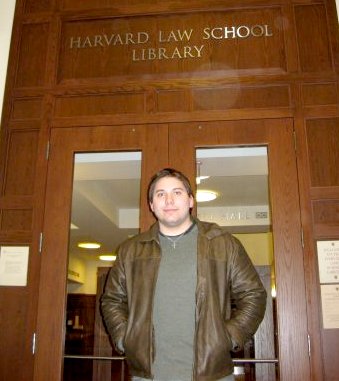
{"points": [[328, 261], [180, 44]]}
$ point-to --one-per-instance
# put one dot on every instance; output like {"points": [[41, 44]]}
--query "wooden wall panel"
{"points": [[118, 103], [13, 321], [223, 98], [320, 94], [22, 157], [16, 220], [241, 97], [155, 5], [173, 100], [323, 151], [32, 55], [326, 218], [27, 108], [38, 5], [313, 39]]}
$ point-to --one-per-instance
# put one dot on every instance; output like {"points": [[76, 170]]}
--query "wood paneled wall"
{"points": [[290, 72]]}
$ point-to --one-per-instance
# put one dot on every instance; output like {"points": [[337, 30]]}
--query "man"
{"points": [[167, 300]]}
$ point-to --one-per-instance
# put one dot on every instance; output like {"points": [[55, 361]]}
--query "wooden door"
{"points": [[64, 144], [277, 135]]}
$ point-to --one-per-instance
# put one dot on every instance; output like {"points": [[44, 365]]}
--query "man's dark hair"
{"points": [[168, 172]]}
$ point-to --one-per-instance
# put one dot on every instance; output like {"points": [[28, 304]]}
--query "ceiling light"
{"points": [[206, 195], [89, 245], [108, 258]]}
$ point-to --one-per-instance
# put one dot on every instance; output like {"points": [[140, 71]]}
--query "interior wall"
{"points": [[6, 22]]}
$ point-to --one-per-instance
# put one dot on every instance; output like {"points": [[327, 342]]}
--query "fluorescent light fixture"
{"points": [[109, 258], [89, 245], [205, 195]]}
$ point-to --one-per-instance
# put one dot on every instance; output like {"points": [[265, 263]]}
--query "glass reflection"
{"points": [[236, 181], [105, 211]]}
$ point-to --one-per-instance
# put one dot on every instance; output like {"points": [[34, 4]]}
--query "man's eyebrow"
{"points": [[174, 189]]}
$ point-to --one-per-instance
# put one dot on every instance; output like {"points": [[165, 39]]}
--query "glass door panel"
{"points": [[105, 212], [232, 191]]}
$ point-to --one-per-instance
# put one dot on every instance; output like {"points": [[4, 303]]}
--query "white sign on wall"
{"points": [[330, 305], [13, 265], [328, 261]]}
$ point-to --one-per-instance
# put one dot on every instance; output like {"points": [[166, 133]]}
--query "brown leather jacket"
{"points": [[225, 274]]}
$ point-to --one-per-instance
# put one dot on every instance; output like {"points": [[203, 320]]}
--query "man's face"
{"points": [[171, 205]]}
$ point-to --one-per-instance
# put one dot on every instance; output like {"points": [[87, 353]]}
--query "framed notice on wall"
{"points": [[328, 261], [13, 265], [330, 305]]}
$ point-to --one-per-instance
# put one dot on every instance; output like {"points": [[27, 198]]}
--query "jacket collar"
{"points": [[206, 229]]}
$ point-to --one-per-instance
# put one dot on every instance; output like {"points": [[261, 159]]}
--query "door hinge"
{"points": [[302, 239], [41, 238], [295, 141], [309, 344], [33, 343], [47, 150]]}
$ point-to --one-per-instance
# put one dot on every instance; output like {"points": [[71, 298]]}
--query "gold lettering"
{"points": [[75, 42], [187, 52], [229, 31], [247, 31], [98, 40], [143, 37], [242, 31], [179, 35], [118, 40], [198, 50], [129, 38], [257, 30], [214, 35], [162, 54], [152, 54], [108, 40], [185, 35], [134, 55], [86, 43], [267, 32], [172, 36], [206, 34], [176, 53]]}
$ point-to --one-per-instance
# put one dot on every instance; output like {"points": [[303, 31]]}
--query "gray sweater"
{"points": [[174, 308]]}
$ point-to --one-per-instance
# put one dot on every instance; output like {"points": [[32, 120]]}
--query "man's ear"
{"points": [[191, 202], [151, 206]]}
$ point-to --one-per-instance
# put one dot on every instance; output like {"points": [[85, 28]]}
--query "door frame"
{"points": [[154, 141]]}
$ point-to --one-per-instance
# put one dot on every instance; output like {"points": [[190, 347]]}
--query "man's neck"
{"points": [[175, 230]]}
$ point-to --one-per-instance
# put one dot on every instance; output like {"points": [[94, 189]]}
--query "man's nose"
{"points": [[169, 199]]}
